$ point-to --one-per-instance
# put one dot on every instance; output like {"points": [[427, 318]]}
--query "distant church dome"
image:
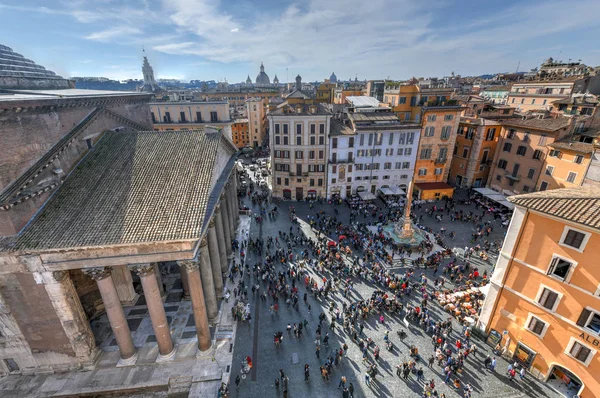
{"points": [[248, 80], [262, 77], [333, 78], [275, 80]]}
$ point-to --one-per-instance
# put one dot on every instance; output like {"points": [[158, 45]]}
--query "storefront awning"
{"points": [[495, 196], [398, 191], [366, 195]]}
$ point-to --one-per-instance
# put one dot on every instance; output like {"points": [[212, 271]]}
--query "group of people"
{"points": [[289, 267]]}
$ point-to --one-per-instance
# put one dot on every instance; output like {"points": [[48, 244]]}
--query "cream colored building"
{"points": [[257, 121], [298, 140], [188, 115]]}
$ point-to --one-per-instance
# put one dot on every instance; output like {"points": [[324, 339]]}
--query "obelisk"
{"points": [[407, 229]]}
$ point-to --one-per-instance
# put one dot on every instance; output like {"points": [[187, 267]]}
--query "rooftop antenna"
{"points": [[518, 64]]}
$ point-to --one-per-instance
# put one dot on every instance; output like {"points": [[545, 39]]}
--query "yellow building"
{"points": [[404, 99], [543, 302], [189, 115], [326, 92], [566, 165]]}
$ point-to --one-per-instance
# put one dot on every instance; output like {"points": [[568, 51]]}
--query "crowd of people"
{"points": [[291, 266]]}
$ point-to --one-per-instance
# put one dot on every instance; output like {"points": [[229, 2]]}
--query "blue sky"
{"points": [[374, 39]]}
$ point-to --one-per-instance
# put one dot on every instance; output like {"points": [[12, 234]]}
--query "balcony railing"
{"points": [[440, 160], [339, 161], [513, 177]]}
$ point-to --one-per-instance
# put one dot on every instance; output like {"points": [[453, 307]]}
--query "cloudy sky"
{"points": [[227, 39]]}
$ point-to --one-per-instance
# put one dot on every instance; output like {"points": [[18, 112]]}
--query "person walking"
{"points": [[237, 381], [281, 374], [306, 372], [345, 393], [351, 390], [342, 382], [367, 379], [493, 364], [318, 350]]}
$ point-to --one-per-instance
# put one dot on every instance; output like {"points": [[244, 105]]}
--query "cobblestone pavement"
{"points": [[255, 338]]}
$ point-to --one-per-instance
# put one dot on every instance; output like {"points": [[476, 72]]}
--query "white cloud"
{"points": [[235, 30], [113, 33]]}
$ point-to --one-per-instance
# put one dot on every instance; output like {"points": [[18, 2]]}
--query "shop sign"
{"points": [[593, 341]]}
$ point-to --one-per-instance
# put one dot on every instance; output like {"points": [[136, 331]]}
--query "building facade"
{"points": [[257, 121], [186, 115], [543, 304], [566, 165], [240, 133], [534, 96], [473, 152], [299, 128], [521, 150], [439, 129]]}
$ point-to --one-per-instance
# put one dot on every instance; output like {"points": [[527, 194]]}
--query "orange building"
{"points": [[240, 133], [543, 303], [438, 137], [474, 151], [566, 165]]}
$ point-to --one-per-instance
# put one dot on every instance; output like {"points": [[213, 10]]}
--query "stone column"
{"points": [[215, 260], [236, 199], [115, 314], [124, 284], [198, 303], [208, 284], [229, 200], [64, 299], [184, 282], [159, 282], [147, 274], [221, 239], [226, 226]]}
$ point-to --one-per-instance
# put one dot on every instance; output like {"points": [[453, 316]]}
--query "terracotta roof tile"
{"points": [[136, 187], [579, 205]]}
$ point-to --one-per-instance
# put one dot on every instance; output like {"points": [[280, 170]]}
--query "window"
{"points": [[536, 326], [525, 188], [406, 165], [398, 165], [278, 180], [578, 159], [498, 177], [526, 137], [580, 352], [199, 117], [321, 140], [362, 139], [560, 268], [502, 164], [400, 151], [311, 154], [437, 171], [351, 142], [589, 319], [277, 128], [286, 181], [153, 117], [387, 166], [448, 118], [507, 147], [422, 172], [465, 152], [511, 134], [491, 133], [389, 152], [298, 140], [521, 150], [312, 182], [298, 154], [407, 151], [313, 140], [429, 131], [554, 153], [321, 128], [548, 298], [371, 139], [575, 239], [425, 153], [401, 100], [299, 170], [320, 182], [401, 138], [543, 186], [322, 155], [446, 132], [285, 140], [214, 117], [391, 139], [410, 139], [167, 117], [298, 128], [549, 170], [537, 154], [571, 177], [313, 129], [542, 141], [431, 118], [285, 129], [531, 174]]}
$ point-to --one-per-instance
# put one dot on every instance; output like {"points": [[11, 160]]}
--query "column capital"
{"points": [[97, 273], [189, 265], [218, 208], [142, 269], [211, 223], [203, 241]]}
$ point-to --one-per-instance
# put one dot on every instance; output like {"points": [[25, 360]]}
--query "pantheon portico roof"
{"points": [[134, 187]]}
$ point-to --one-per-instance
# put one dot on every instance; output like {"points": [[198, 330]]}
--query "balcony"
{"points": [[292, 174], [440, 160], [513, 177]]}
